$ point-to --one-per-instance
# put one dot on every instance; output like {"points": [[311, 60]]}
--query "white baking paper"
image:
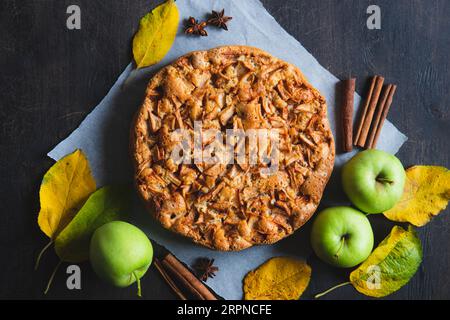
{"points": [[104, 133]]}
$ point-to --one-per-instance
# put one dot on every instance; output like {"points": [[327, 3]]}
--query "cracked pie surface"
{"points": [[229, 203]]}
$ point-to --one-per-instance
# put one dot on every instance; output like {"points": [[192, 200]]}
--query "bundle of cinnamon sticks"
{"points": [[182, 281], [375, 110]]}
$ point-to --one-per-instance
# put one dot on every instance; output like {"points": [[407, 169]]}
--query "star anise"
{"points": [[205, 268], [219, 19], [195, 27]]}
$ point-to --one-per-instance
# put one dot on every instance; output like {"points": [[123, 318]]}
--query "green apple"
{"points": [[120, 253], [373, 180], [342, 236]]}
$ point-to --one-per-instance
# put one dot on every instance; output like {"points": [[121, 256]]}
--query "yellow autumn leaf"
{"points": [[279, 278], [156, 34], [391, 265], [64, 189], [426, 194]]}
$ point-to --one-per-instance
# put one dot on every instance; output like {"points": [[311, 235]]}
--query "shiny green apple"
{"points": [[373, 180], [342, 236], [120, 253]]}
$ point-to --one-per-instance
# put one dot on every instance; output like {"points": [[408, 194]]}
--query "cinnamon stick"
{"points": [[385, 110], [364, 111], [187, 278], [347, 114], [377, 116], [369, 109], [169, 281]]}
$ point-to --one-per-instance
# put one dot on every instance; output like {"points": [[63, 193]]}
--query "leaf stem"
{"points": [[131, 76], [38, 260], [50, 281], [139, 292], [331, 289]]}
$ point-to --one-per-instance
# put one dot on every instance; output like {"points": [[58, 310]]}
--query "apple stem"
{"points": [[50, 281], [38, 260], [139, 292], [331, 289], [384, 180], [336, 255]]}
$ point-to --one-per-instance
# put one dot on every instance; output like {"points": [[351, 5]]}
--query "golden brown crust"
{"points": [[232, 206]]}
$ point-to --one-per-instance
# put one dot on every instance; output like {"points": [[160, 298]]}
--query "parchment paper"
{"points": [[104, 134]]}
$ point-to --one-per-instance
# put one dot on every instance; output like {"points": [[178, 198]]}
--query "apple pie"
{"points": [[227, 203]]}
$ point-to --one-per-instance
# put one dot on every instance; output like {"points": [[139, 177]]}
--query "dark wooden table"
{"points": [[51, 78]]}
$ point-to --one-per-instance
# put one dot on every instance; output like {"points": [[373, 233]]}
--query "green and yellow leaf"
{"points": [[279, 278], [390, 266], [64, 189], [427, 192], [156, 34], [105, 205]]}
